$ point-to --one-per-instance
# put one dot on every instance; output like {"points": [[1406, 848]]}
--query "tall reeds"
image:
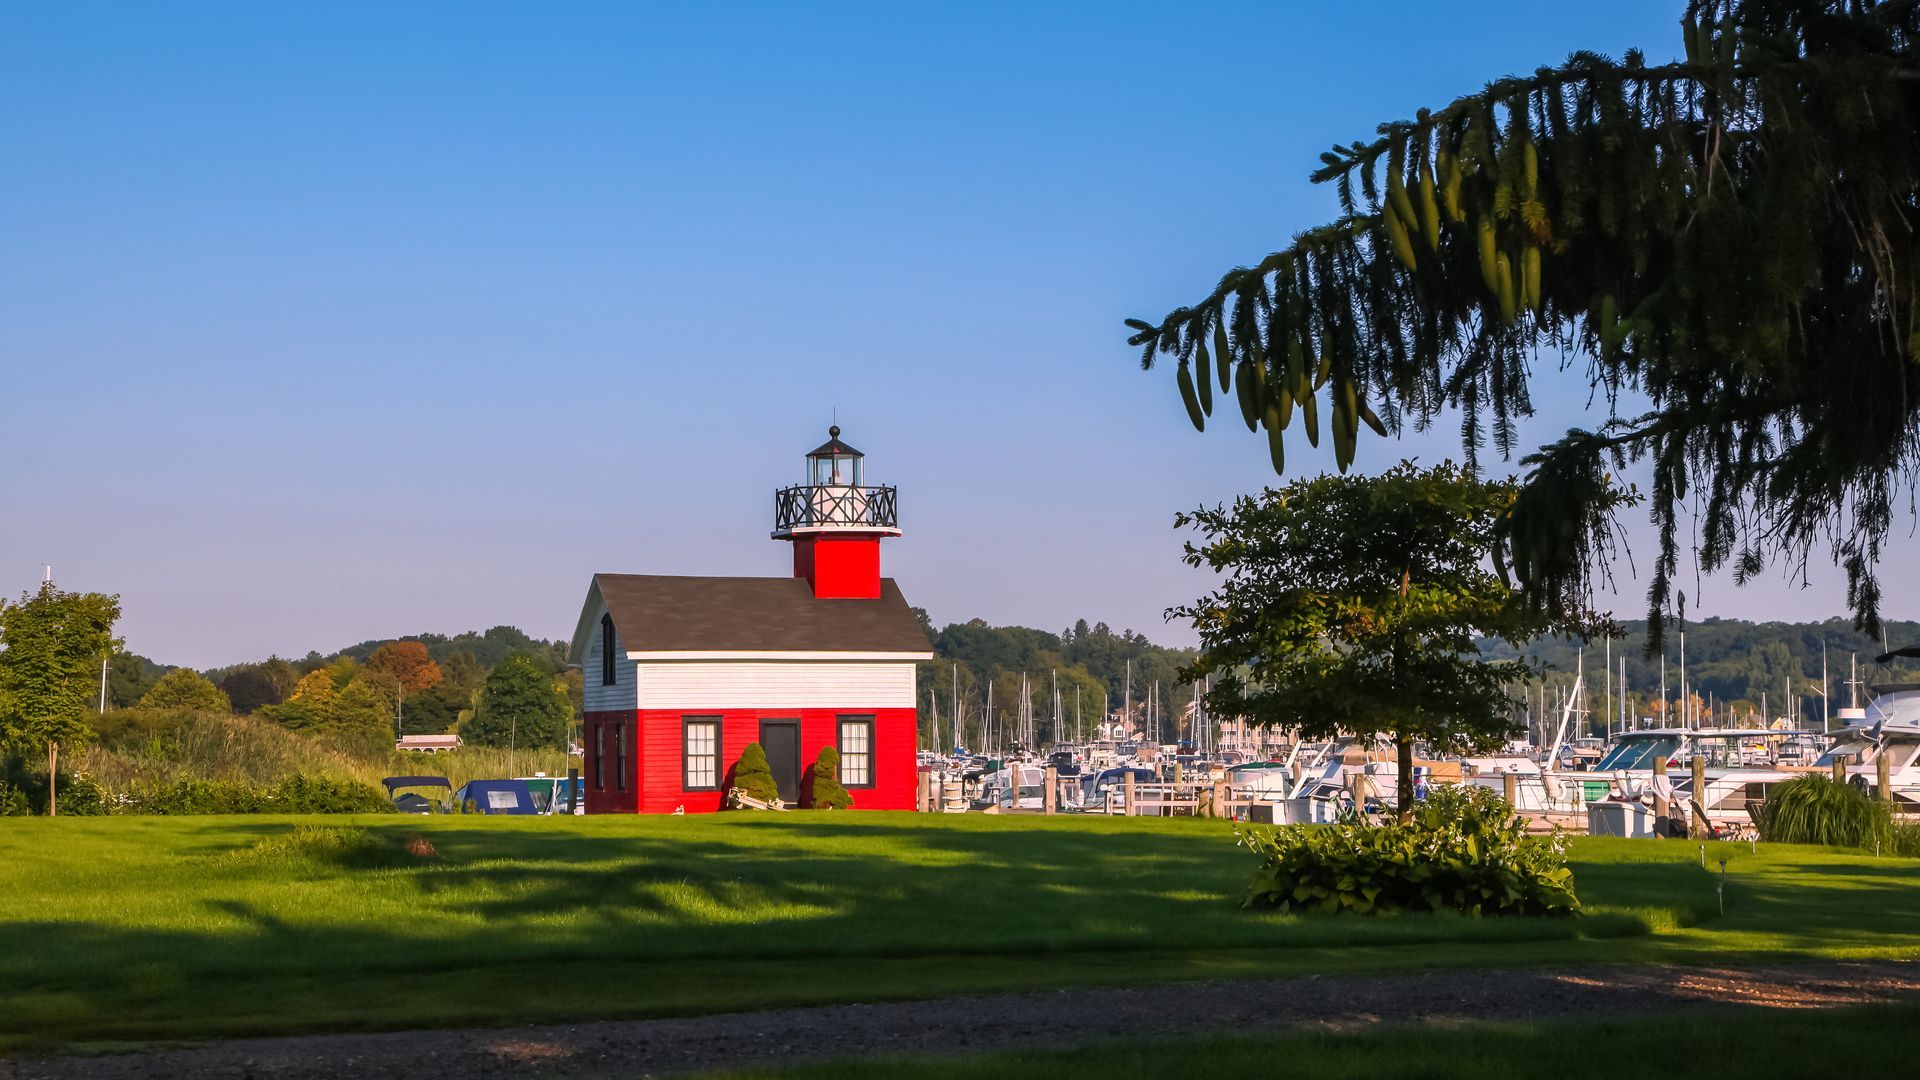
{"points": [[1815, 810], [261, 753]]}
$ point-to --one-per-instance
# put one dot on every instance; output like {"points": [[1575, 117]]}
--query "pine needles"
{"points": [[1734, 237]]}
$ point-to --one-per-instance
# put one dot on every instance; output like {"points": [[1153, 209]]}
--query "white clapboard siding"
{"points": [[600, 697], [776, 684]]}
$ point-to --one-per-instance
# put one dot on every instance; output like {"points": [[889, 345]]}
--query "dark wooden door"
{"points": [[781, 740]]}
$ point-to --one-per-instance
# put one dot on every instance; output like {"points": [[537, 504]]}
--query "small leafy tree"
{"points": [[753, 776], [520, 704], [1352, 604], [824, 790], [250, 689], [185, 689], [360, 719], [408, 663], [310, 706], [54, 644]]}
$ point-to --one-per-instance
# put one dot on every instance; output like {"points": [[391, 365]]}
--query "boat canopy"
{"points": [[395, 783], [496, 797]]}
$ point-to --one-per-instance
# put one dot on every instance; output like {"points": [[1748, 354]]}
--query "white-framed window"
{"points": [[700, 753], [856, 751]]}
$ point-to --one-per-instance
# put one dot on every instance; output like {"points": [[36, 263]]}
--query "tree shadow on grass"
{"points": [[676, 906]]}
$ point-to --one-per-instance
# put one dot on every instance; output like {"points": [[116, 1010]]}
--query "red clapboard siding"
{"points": [[661, 767]]}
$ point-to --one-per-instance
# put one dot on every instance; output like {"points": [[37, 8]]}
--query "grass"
{"points": [[1875, 1041], [141, 929]]}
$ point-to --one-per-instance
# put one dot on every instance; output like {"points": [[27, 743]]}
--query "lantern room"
{"points": [[836, 521], [835, 464]]}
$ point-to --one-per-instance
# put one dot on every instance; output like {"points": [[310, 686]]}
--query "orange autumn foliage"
{"points": [[407, 663]]}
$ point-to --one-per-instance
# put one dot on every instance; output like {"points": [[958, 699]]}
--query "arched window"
{"points": [[606, 651]]}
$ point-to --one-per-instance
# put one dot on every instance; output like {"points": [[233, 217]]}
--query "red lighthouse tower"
{"points": [[836, 523]]}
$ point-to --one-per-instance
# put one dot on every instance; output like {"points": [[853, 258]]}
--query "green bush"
{"points": [[1812, 809], [824, 790], [79, 794], [1462, 850], [753, 776], [194, 797], [293, 795], [323, 795], [13, 801]]}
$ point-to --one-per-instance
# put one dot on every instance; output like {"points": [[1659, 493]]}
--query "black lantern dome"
{"points": [[834, 463]]}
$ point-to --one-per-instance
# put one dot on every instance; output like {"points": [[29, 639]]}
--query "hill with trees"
{"points": [[1091, 664], [1735, 669]]}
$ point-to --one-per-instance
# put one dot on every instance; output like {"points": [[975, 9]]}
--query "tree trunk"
{"points": [[1404, 796], [53, 779]]}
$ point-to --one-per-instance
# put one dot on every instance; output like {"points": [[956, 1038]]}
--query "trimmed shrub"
{"points": [[753, 776], [824, 790], [1812, 809], [1462, 850]]}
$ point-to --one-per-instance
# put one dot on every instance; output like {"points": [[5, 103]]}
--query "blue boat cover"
{"points": [[495, 797]]}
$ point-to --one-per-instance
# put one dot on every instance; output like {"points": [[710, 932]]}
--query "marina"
{"points": [[1638, 781]]}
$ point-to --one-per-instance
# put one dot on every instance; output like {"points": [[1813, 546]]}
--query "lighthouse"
{"points": [[682, 673], [836, 522]]}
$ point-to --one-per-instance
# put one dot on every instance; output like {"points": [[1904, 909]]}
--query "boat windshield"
{"points": [[1638, 753], [1853, 750]]}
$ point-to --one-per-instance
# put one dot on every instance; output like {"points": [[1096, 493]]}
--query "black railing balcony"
{"points": [[833, 506]]}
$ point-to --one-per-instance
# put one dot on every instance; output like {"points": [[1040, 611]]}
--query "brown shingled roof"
{"points": [[740, 614]]}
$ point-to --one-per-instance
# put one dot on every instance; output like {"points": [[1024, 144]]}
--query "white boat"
{"points": [[1888, 728]]}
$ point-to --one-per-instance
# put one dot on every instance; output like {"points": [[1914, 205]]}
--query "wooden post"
{"points": [[1176, 773], [1048, 796], [1128, 786], [926, 792], [1700, 780], [1220, 799], [1883, 775], [1840, 764], [1509, 789], [1659, 801]]}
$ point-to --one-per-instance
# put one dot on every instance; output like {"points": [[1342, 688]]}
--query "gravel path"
{"points": [[1056, 1019]]}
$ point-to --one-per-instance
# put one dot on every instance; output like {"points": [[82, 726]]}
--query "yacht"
{"points": [[1888, 727]]}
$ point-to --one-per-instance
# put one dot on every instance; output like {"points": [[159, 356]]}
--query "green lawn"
{"points": [[1866, 1042], [136, 929]]}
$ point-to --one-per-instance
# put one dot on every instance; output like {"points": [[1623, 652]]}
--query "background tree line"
{"points": [[1090, 662], [1733, 668], [426, 684]]}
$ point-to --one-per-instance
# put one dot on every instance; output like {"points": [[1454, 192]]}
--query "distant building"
{"points": [[683, 672], [428, 744]]}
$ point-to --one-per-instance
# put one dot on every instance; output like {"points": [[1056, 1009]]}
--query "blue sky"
{"points": [[342, 321]]}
